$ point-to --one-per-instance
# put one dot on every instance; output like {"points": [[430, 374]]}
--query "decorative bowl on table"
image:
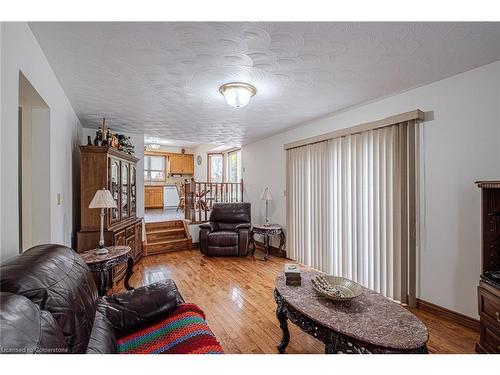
{"points": [[336, 288]]}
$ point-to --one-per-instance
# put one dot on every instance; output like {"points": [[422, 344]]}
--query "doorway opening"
{"points": [[33, 166]]}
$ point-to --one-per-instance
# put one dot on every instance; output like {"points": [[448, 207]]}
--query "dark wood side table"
{"points": [[102, 264], [267, 231]]}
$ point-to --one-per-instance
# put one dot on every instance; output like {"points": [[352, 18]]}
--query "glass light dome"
{"points": [[237, 94]]}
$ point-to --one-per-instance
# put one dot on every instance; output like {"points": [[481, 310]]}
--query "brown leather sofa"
{"points": [[228, 232], [49, 304]]}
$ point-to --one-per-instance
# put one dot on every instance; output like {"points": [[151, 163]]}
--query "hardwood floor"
{"points": [[237, 297]]}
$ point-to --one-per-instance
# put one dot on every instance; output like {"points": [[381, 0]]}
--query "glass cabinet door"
{"points": [[125, 191], [133, 190], [114, 188]]}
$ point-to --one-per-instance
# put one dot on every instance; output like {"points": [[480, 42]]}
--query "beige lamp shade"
{"points": [[103, 199], [266, 195]]}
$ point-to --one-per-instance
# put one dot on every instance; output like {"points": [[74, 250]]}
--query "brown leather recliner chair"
{"points": [[49, 304], [228, 232]]}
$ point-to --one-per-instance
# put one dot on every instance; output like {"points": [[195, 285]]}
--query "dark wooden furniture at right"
{"points": [[370, 323], [489, 286], [103, 264], [107, 167]]}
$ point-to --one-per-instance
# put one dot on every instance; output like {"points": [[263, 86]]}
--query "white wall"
{"points": [[36, 186], [20, 52], [461, 145], [200, 171], [138, 142]]}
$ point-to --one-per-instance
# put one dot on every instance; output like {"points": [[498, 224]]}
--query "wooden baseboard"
{"points": [[450, 315]]}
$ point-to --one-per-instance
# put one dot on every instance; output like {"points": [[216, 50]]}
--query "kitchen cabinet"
{"points": [[153, 196], [181, 164]]}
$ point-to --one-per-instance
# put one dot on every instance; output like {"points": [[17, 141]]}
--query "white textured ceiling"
{"points": [[170, 142], [163, 78]]}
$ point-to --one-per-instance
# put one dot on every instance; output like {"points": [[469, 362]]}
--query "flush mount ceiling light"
{"points": [[237, 94], [154, 145]]}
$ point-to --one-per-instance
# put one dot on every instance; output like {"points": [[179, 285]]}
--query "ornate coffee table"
{"points": [[370, 323], [102, 264]]}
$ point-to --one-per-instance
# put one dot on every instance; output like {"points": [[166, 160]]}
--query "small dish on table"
{"points": [[336, 288]]}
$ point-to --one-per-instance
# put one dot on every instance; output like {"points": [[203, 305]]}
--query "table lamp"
{"points": [[266, 195], [102, 199]]}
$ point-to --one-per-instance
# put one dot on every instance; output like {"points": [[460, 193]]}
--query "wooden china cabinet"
{"points": [[106, 167]]}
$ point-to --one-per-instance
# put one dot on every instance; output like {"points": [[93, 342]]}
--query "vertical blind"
{"points": [[351, 207]]}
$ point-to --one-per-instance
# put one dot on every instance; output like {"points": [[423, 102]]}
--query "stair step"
{"points": [[166, 236], [163, 226], [156, 235], [160, 237], [170, 241], [166, 231], [168, 246]]}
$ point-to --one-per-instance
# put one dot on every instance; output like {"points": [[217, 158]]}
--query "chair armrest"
{"points": [[130, 309], [208, 226], [243, 226], [102, 338]]}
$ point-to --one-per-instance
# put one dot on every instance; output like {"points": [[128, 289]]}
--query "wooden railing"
{"points": [[199, 197]]}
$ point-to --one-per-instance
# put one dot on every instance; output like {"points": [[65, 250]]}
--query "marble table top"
{"points": [[267, 226], [90, 257], [370, 318]]}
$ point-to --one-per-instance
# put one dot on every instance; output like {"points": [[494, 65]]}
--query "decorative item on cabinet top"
{"points": [[106, 138]]}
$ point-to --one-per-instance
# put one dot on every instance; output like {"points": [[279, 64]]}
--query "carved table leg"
{"points": [[252, 243], [282, 244], [129, 272], [285, 339], [266, 244], [103, 282]]}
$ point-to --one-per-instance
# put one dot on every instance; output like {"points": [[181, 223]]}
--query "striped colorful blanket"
{"points": [[182, 332]]}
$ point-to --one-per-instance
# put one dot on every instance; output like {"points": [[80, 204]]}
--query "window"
{"points": [[234, 166], [154, 168], [215, 167]]}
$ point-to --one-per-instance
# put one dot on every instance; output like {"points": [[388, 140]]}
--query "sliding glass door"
{"points": [[351, 207]]}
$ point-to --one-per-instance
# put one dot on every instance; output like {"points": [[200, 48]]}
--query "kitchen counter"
{"points": [[171, 181]]}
